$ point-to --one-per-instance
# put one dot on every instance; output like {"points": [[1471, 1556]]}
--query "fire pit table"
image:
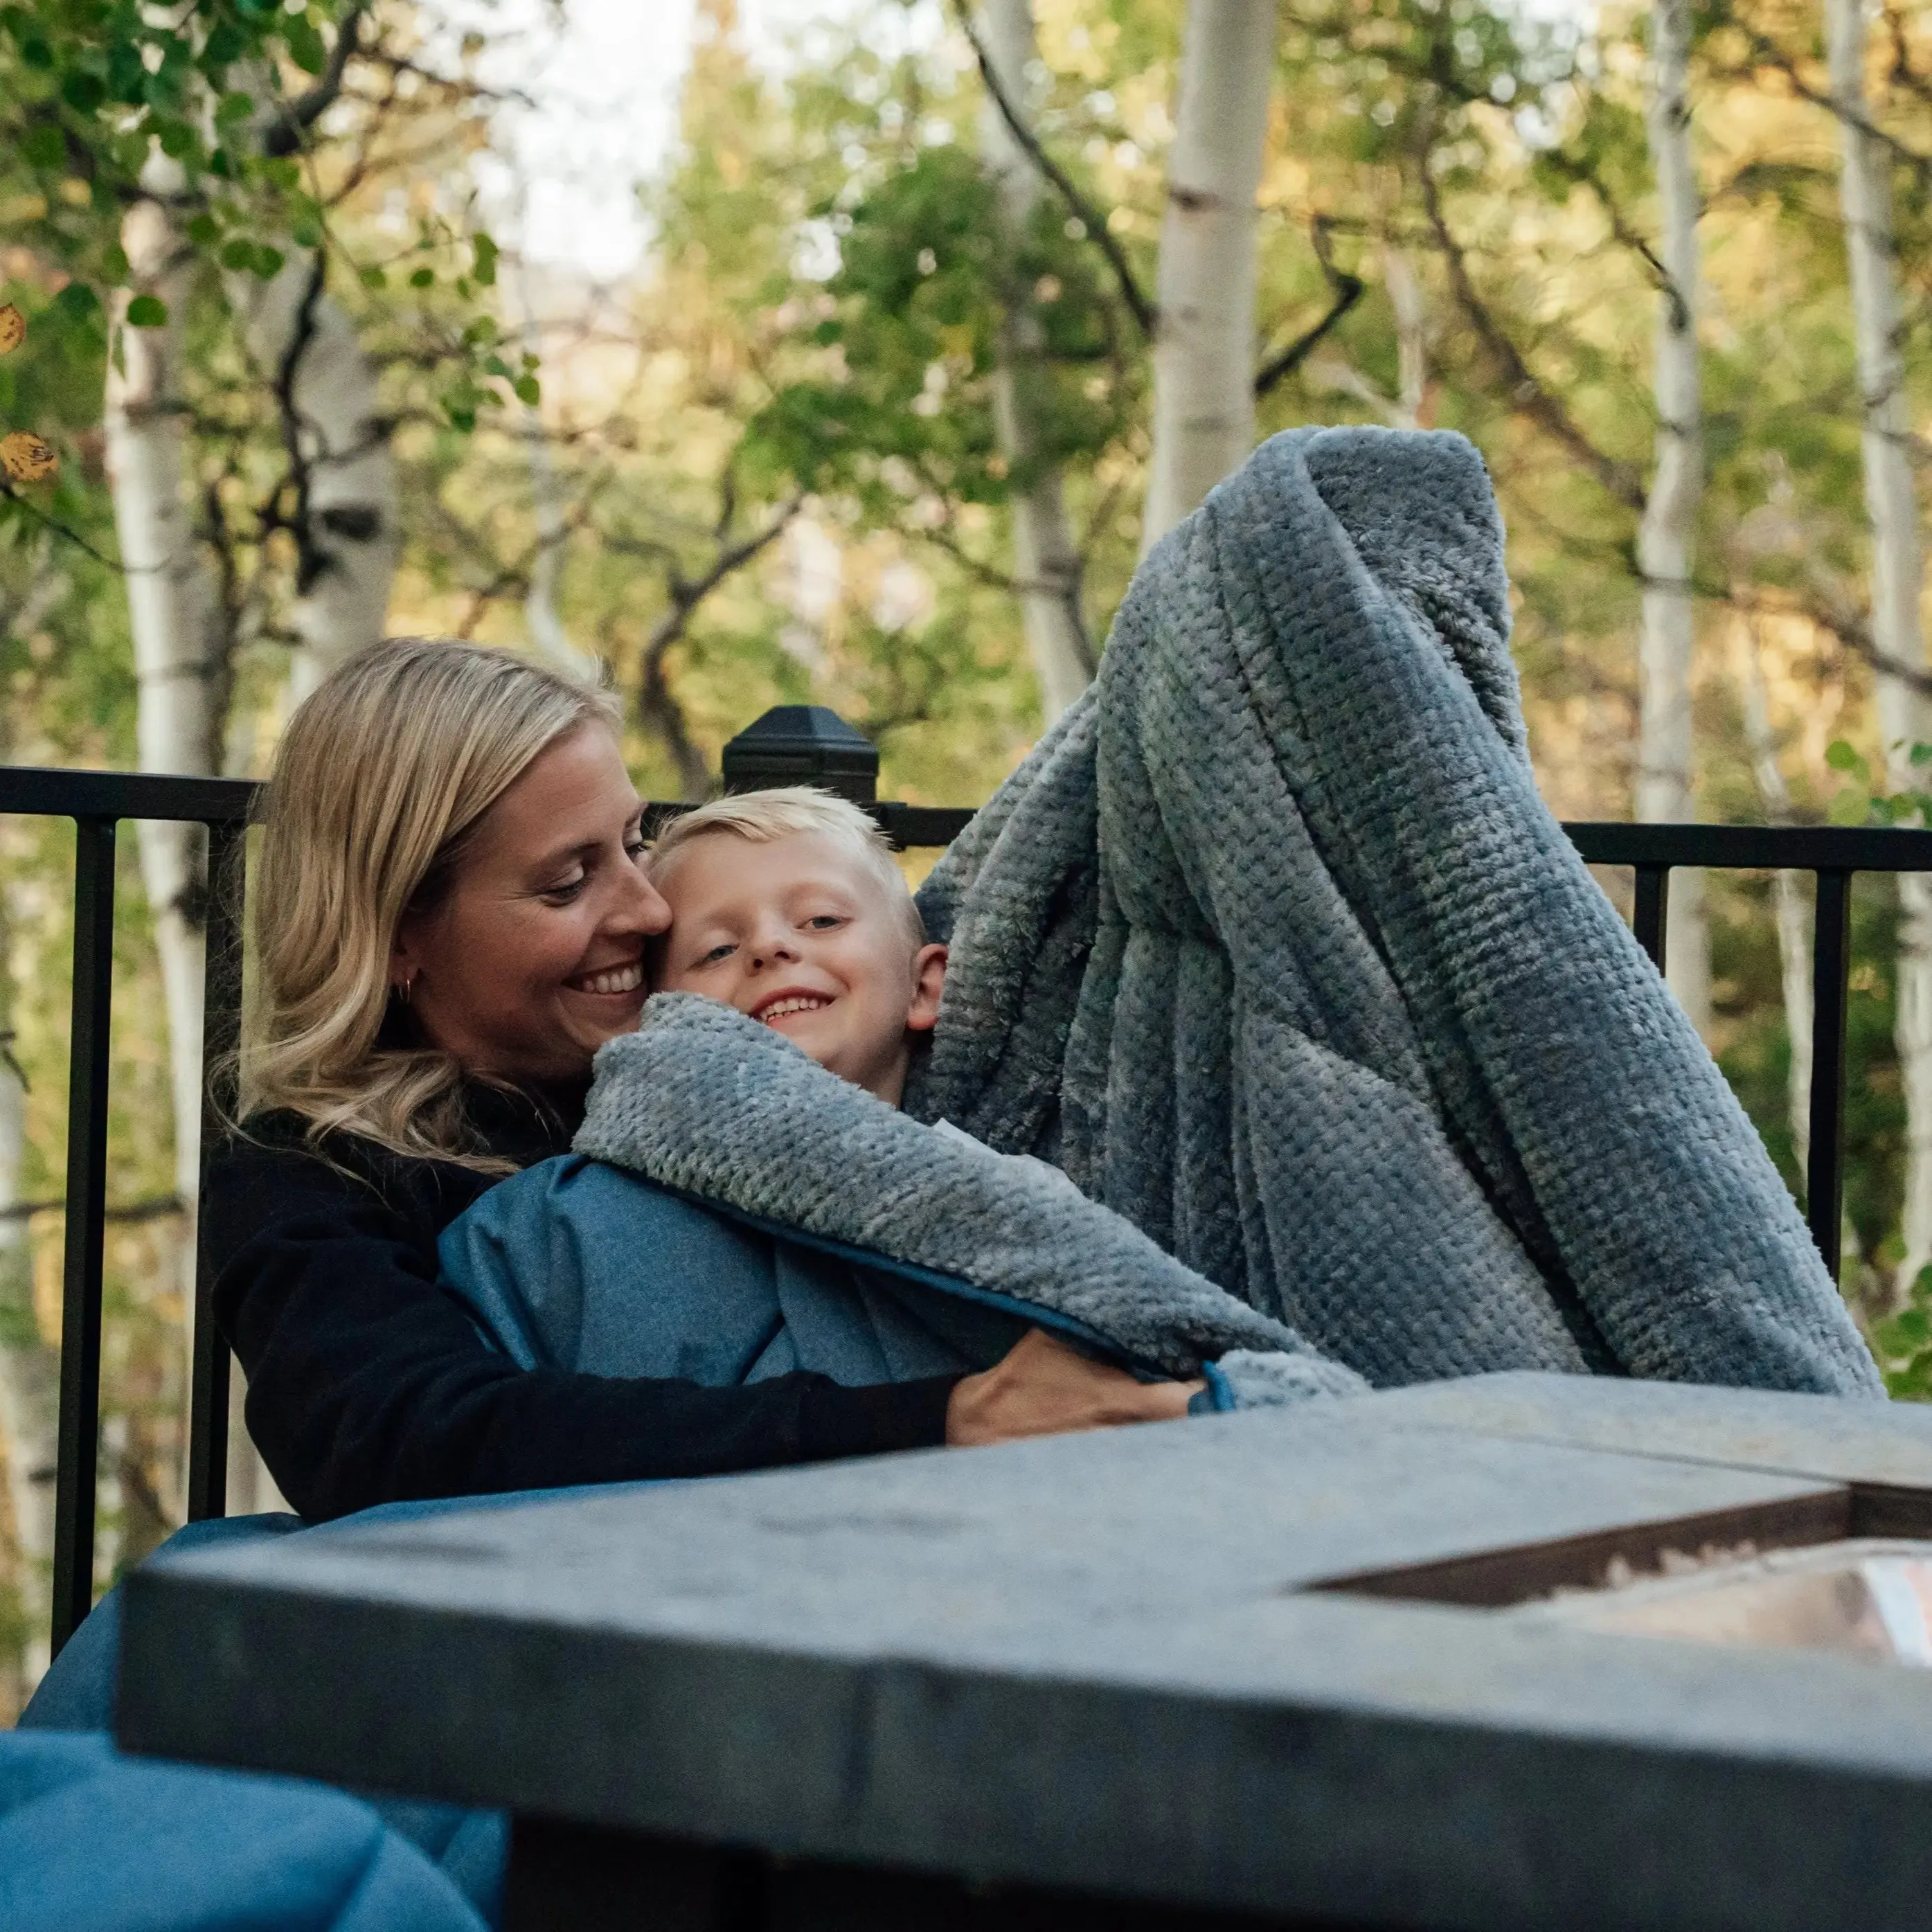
{"points": [[1316, 1666]]}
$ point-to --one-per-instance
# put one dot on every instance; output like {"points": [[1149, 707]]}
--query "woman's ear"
{"points": [[928, 981], [404, 961]]}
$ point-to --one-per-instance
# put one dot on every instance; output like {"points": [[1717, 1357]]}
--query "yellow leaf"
{"points": [[12, 328], [28, 458]]}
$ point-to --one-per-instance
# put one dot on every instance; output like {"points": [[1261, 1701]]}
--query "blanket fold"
{"points": [[1272, 945], [706, 1101]]}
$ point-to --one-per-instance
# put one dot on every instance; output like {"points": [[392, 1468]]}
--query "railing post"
{"points": [[79, 1433], [1651, 910], [221, 1033], [803, 744], [1830, 978]]}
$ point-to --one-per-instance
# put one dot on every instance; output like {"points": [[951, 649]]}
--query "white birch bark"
{"points": [[1411, 337], [1046, 560], [1891, 509], [1791, 914], [306, 349], [543, 615], [1666, 539], [1204, 358], [175, 617], [29, 1397], [29, 1368]]}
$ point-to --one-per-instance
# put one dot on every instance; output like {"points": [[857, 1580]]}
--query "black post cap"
{"points": [[803, 744]]}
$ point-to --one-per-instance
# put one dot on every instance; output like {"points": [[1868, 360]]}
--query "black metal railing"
{"points": [[98, 803], [793, 745]]}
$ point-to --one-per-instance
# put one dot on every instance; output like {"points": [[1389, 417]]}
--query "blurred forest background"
{"points": [[941, 313]]}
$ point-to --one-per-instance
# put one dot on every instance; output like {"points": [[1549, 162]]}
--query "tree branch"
{"points": [[1526, 394], [1771, 54], [658, 710], [1139, 305], [1346, 290], [293, 118]]}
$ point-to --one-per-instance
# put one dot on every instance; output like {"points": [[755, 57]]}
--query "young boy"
{"points": [[786, 905]]}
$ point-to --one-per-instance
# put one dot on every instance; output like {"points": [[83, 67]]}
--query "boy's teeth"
{"points": [[619, 979], [782, 1007]]}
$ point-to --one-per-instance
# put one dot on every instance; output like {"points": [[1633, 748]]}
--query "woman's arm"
{"points": [[367, 1383]]}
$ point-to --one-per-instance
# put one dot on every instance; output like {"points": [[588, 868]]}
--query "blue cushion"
{"points": [[91, 1839]]}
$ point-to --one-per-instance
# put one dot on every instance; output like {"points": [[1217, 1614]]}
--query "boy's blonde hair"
{"points": [[381, 780], [786, 811]]}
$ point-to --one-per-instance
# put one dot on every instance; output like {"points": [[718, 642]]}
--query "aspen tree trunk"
{"points": [[1665, 541], [1411, 337], [543, 619], [305, 347], [29, 1367], [1046, 560], [176, 620], [1792, 916], [29, 1390], [1891, 509], [1204, 358], [29, 1364]]}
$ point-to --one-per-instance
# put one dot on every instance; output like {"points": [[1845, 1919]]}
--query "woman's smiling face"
{"points": [[533, 956]]}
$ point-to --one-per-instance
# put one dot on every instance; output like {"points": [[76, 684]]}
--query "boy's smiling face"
{"points": [[798, 933]]}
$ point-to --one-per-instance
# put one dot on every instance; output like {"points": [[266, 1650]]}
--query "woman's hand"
{"points": [[1042, 1387]]}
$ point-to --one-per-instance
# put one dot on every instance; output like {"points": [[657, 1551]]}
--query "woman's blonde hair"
{"points": [[381, 779]]}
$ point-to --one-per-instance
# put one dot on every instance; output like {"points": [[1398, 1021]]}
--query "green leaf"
{"points": [[305, 232], [204, 231], [1841, 758], [147, 312], [75, 303], [423, 278], [374, 277], [1851, 807], [529, 391], [114, 265], [268, 263], [35, 53], [495, 365], [176, 139], [304, 44], [464, 420], [83, 92], [233, 109], [485, 270], [239, 254], [45, 146], [482, 332], [223, 47]]}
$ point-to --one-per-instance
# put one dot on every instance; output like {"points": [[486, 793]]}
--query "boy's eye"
{"points": [[824, 921], [723, 950]]}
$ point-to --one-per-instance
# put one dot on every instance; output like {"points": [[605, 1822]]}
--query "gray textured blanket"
{"points": [[704, 1100], [1272, 947]]}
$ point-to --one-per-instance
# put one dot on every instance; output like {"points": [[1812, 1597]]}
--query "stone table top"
{"points": [[1116, 1663]]}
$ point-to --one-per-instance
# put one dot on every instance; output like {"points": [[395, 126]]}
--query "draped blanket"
{"points": [[705, 1101], [1272, 949]]}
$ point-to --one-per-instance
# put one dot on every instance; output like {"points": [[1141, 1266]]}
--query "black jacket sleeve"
{"points": [[367, 1383]]}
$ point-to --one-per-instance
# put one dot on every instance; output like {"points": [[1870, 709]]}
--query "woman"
{"points": [[449, 920]]}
